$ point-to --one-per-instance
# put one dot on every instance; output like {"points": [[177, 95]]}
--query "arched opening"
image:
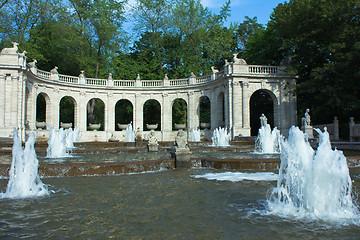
{"points": [[204, 111], [179, 112], [42, 110], [221, 108], [67, 112], [261, 102], [95, 114], [123, 113], [152, 114]]}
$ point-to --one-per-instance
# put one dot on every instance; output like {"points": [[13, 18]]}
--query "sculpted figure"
{"points": [[263, 120], [138, 135], [180, 139], [152, 138], [306, 120]]}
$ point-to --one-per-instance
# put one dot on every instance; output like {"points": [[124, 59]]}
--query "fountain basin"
{"points": [[122, 126], [152, 126], [95, 126], [205, 125], [179, 126], [155, 206], [40, 125], [65, 125]]}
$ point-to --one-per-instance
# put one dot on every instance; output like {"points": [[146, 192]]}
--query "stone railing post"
{"points": [[54, 74], [82, 79], [351, 128], [110, 80], [213, 73], [166, 81], [33, 67], [192, 79], [138, 81], [336, 128]]}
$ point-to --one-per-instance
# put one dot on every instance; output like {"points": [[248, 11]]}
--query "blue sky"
{"points": [[241, 8]]}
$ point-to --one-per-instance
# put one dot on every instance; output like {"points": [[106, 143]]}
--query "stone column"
{"points": [[192, 119], [55, 110], [166, 115], [82, 114], [2, 100], [336, 128], [245, 108], [138, 112], [236, 109], [32, 106], [351, 129]]}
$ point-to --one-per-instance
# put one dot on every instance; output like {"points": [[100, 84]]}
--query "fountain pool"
{"points": [[170, 204]]}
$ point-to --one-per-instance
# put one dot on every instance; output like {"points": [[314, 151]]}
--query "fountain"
{"points": [[24, 181], [130, 133], [195, 135], [57, 144], [267, 141], [221, 137], [312, 184]]}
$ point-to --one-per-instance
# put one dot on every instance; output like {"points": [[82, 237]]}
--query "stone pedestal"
{"points": [[182, 157], [308, 130], [153, 147]]}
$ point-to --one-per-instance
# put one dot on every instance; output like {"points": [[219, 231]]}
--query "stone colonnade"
{"points": [[229, 92]]}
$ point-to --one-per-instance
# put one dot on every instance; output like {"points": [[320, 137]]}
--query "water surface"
{"points": [[169, 204]]}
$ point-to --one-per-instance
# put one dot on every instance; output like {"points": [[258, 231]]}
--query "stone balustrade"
{"points": [[251, 69]]}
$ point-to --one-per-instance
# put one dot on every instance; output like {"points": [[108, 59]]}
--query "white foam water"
{"points": [[130, 133], [221, 137], [268, 141], [239, 176], [195, 135], [57, 144], [24, 181], [313, 184]]}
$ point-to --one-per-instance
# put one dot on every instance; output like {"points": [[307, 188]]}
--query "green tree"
{"points": [[321, 40]]}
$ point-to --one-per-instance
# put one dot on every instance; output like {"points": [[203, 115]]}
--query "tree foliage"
{"points": [[320, 40]]}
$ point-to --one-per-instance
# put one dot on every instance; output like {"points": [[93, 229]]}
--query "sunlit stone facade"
{"points": [[229, 92]]}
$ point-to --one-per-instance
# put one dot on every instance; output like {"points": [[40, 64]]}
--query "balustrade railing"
{"points": [[179, 82], [124, 83], [203, 79], [96, 81], [68, 79], [249, 69], [263, 69], [152, 83], [43, 74]]}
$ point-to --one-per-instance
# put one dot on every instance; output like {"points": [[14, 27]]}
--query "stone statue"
{"points": [[153, 145], [152, 138], [306, 124], [306, 120], [180, 151], [263, 120], [180, 140], [12, 50], [54, 70], [138, 135]]}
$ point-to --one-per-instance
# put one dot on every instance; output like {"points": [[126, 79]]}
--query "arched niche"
{"points": [[123, 113], [95, 113], [204, 110], [152, 114], [179, 112], [262, 102], [67, 111], [43, 110]]}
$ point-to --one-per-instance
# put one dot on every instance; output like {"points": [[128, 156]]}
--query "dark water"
{"points": [[161, 205]]}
